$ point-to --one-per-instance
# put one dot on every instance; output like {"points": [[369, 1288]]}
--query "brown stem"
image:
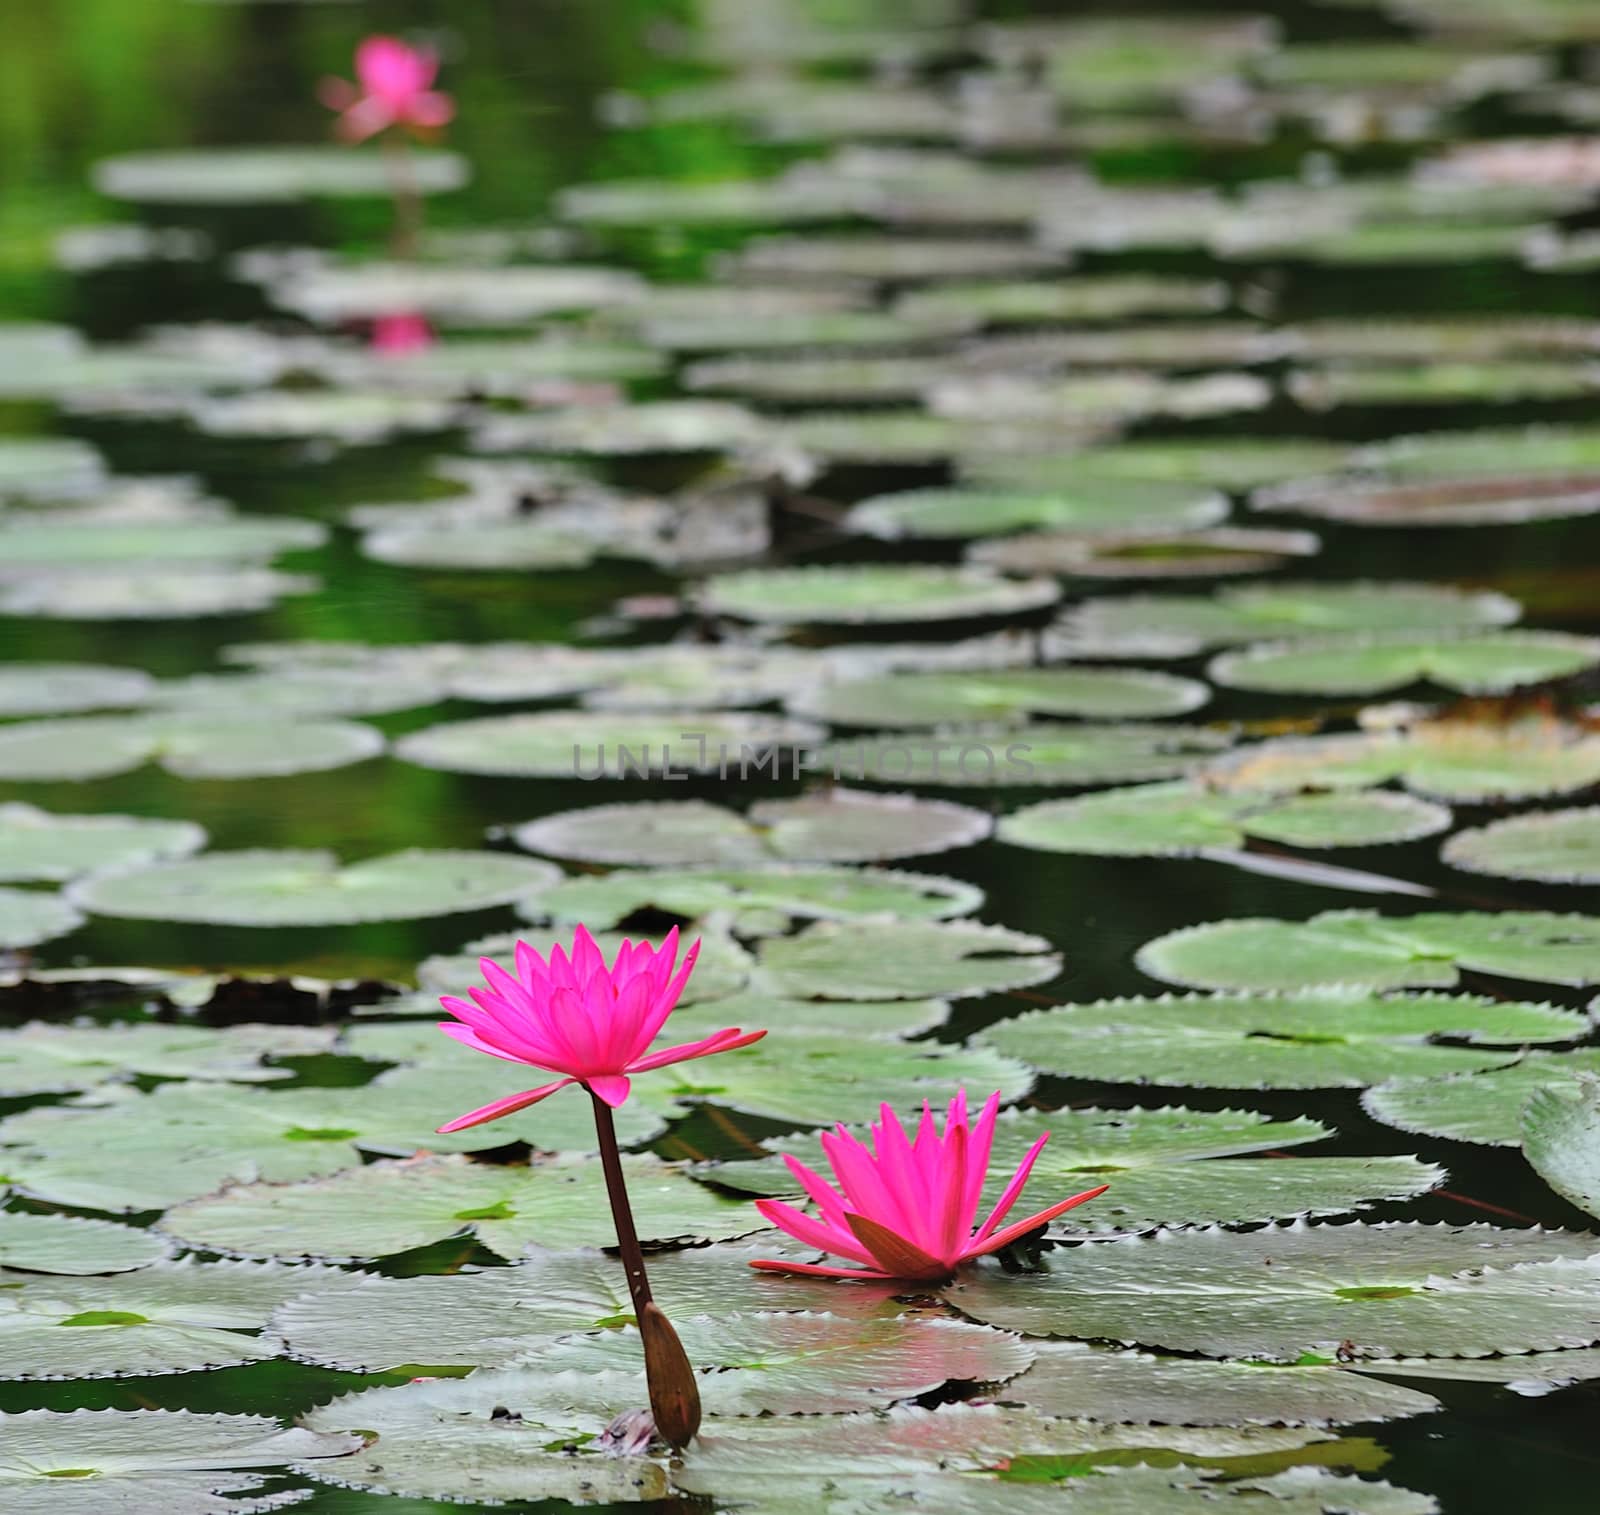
{"points": [[674, 1394], [407, 197]]}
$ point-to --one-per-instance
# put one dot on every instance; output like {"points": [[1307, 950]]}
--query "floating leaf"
{"points": [[296, 692], [593, 745], [1178, 625], [97, 747], [1483, 1107], [812, 379], [310, 888], [862, 593], [654, 203], [500, 367], [1232, 463], [498, 546], [1532, 1374], [1393, 1289], [36, 846], [1561, 1139], [1105, 298], [902, 437], [27, 545], [1497, 453], [62, 688], [390, 1207], [268, 175], [1556, 847], [1089, 508], [1216, 553], [1185, 819], [1477, 499], [352, 416], [662, 426], [153, 594], [1094, 402], [31, 916], [834, 825], [1359, 947], [66, 1244], [711, 332], [48, 469], [887, 259], [999, 696], [1320, 1038], [1501, 383]]}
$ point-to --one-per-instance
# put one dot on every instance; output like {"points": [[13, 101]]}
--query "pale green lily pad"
{"points": [[199, 748], [504, 368], [26, 545], [832, 825], [888, 259], [800, 329], [1360, 947], [1555, 847], [999, 696], [352, 416], [861, 594], [64, 688], [1490, 663], [49, 469], [1077, 1381], [1090, 508], [391, 1207], [1178, 625], [151, 594], [491, 546], [170, 1317], [1561, 1139], [1385, 1290], [269, 175], [36, 846], [120, 1461], [31, 916], [790, 891], [905, 960], [1187, 346], [299, 692], [1469, 338], [1485, 1108], [1105, 298], [1491, 452], [1476, 498], [310, 888], [1502, 383], [813, 379], [1314, 1039], [660, 426], [1532, 1375], [1162, 1167], [601, 744], [1095, 400], [1188, 819], [41, 1058], [1220, 552], [1467, 760], [653, 203], [66, 1244], [1232, 463], [903, 437]]}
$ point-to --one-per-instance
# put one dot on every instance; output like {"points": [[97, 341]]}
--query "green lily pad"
{"points": [[36, 846], [905, 960], [1490, 452], [789, 891], [593, 745], [1217, 553], [96, 747], [1077, 1381], [66, 1244], [55, 544], [1232, 463], [805, 379], [801, 329], [1463, 340], [1109, 297], [1091, 508], [297, 692], [661, 426], [1561, 1139], [352, 416], [1476, 498], [1488, 663], [1095, 400], [269, 175], [310, 888], [1190, 346], [498, 547], [1386, 1290], [390, 1207], [1532, 1374], [1556, 847], [170, 1317], [1313, 1039], [63, 688], [862, 594], [1360, 947], [888, 259], [31, 916], [1187, 820], [900, 437], [998, 696], [49, 469], [1485, 1108], [154, 594], [1179, 625], [1502, 383], [834, 825], [502, 367], [653, 203]]}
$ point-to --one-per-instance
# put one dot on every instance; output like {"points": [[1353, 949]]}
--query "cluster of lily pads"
{"points": [[1052, 380]]}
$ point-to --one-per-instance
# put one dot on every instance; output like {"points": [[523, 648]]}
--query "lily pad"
{"points": [[153, 594], [1385, 1290], [1561, 1139], [36, 846], [31, 916], [498, 547], [661, 426], [653, 203], [1473, 499], [1232, 463], [1093, 402], [295, 692], [53, 544], [1220, 552], [97, 747], [801, 329], [67, 1244], [1109, 297], [48, 469], [594, 745], [1360, 947], [268, 175], [390, 1207], [1485, 1108], [311, 888], [901, 437], [1555, 847], [832, 826], [1313, 1039], [63, 688], [504, 368], [1091, 508], [1188, 820], [1487, 452], [1503, 383], [862, 594], [809, 379], [888, 259]]}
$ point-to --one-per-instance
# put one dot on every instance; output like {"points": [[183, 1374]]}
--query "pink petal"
{"points": [[812, 1232], [1022, 1227], [978, 1150], [666, 994], [611, 1087], [952, 1225], [908, 1177], [387, 66], [479, 1043], [337, 94], [507, 1106], [815, 1270], [532, 970], [723, 1041], [894, 1253], [865, 1185], [821, 1193], [366, 118], [1013, 1190]]}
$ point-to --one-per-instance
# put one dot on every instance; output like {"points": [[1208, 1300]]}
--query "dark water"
{"points": [[82, 78]]}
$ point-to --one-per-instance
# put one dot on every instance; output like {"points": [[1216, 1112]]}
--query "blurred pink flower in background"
{"points": [[394, 88], [404, 332], [906, 1208]]}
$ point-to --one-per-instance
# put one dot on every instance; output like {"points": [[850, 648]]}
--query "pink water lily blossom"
{"points": [[905, 1208], [394, 88], [575, 1016], [402, 333]]}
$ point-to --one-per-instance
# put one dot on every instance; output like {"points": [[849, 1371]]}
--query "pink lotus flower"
{"points": [[394, 89], [402, 333], [906, 1208], [577, 1017]]}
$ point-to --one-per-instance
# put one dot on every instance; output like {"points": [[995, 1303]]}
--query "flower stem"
{"points": [[407, 230], [674, 1394]]}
